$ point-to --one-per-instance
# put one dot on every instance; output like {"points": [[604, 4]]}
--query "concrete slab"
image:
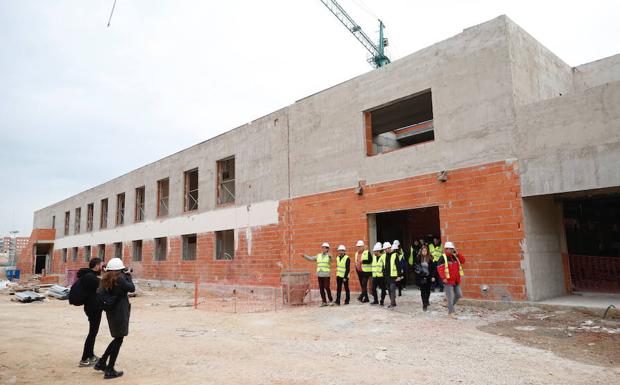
{"points": [[585, 300]]}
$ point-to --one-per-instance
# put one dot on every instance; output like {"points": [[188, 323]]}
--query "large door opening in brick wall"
{"points": [[404, 225], [592, 227], [43, 257]]}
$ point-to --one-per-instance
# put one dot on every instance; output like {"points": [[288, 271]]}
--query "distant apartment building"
{"points": [[486, 139]]}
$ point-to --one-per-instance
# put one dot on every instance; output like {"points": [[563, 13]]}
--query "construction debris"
{"points": [[58, 291], [28, 296]]}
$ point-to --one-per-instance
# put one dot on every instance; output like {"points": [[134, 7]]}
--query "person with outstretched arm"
{"points": [[323, 273]]}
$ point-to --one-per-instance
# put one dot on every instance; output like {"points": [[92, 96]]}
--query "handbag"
{"points": [[105, 299]]}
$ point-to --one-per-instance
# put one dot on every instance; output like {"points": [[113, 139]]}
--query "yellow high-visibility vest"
{"points": [[393, 269], [446, 269], [322, 263], [436, 251], [366, 267], [341, 264], [377, 265]]}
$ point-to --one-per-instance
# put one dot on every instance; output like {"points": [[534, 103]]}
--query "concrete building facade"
{"points": [[487, 139]]}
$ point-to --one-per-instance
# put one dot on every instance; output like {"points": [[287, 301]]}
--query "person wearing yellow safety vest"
{"points": [[323, 272], [363, 266], [436, 250], [391, 271], [450, 269], [378, 260], [343, 264], [402, 263]]}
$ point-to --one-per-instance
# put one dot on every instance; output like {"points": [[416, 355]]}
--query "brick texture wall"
{"points": [[479, 209]]}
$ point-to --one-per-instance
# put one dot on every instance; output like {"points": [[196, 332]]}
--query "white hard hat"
{"points": [[341, 248], [325, 244], [114, 264], [396, 243], [448, 245], [377, 247], [360, 243], [387, 245]]}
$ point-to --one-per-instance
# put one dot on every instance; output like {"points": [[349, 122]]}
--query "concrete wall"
{"points": [[542, 247], [470, 79], [261, 176], [570, 143], [597, 73], [537, 73]]}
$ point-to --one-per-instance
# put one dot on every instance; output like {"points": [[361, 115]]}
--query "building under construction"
{"points": [[486, 138]]}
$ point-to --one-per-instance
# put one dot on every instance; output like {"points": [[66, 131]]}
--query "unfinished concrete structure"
{"points": [[486, 137]]}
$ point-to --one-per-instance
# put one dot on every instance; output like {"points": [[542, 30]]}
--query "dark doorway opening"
{"points": [[42, 256], [592, 228], [404, 225]]}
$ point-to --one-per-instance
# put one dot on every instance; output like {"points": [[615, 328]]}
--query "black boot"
{"points": [[100, 365], [111, 373]]}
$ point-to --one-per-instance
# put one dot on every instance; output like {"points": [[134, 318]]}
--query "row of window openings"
{"points": [[224, 248], [225, 195]]}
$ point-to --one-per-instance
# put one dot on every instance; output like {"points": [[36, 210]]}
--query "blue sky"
{"points": [[81, 103]]}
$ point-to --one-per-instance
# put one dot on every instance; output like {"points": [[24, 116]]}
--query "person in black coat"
{"points": [[425, 268], [116, 283], [89, 280]]}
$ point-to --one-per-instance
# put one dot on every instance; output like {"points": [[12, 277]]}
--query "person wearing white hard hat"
{"points": [[323, 273], [343, 265], [450, 269], [391, 271], [378, 281], [402, 264], [363, 266], [115, 284]]}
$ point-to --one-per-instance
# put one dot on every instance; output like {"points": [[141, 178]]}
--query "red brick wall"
{"points": [[25, 259], [479, 209]]}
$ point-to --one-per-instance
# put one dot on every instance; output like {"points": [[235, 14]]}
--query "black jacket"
{"points": [[118, 317], [388, 266], [90, 283], [420, 277]]}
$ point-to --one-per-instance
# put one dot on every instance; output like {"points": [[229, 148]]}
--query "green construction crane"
{"points": [[377, 51]]}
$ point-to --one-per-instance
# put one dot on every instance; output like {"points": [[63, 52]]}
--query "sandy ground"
{"points": [[40, 343]]}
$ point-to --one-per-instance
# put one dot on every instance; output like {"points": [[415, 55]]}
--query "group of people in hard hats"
{"points": [[434, 266]]}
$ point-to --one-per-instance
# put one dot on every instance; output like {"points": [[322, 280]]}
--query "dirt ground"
{"points": [[40, 343]]}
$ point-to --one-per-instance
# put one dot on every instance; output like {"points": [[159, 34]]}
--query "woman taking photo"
{"points": [[112, 294], [424, 268]]}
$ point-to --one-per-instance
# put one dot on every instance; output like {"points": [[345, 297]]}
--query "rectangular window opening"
{"points": [[90, 208], [163, 190], [400, 124], [118, 250], [74, 254], [87, 252], [226, 180], [191, 190], [101, 251], [225, 245], [161, 249], [189, 247], [67, 219], [139, 209], [137, 250], [78, 219], [64, 255], [54, 222], [103, 216], [120, 209]]}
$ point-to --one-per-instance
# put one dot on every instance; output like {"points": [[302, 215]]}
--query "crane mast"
{"points": [[377, 51]]}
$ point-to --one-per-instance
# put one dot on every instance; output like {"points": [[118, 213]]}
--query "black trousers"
{"points": [[94, 320], [401, 284], [363, 277], [339, 282], [391, 287], [324, 289], [438, 282], [425, 291], [112, 352], [378, 283]]}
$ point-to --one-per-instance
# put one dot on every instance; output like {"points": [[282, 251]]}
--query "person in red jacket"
{"points": [[450, 269]]}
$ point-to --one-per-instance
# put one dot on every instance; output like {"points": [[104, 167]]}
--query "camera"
{"points": [[128, 270]]}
